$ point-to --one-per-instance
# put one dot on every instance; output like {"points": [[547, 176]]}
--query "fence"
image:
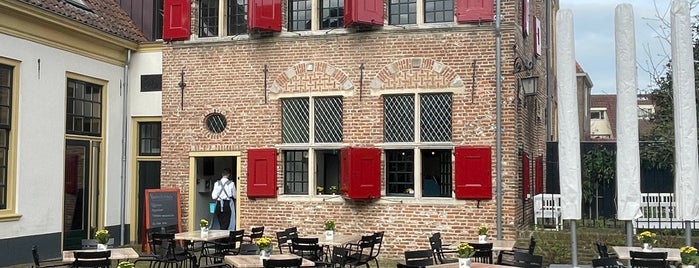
{"points": [[658, 212]]}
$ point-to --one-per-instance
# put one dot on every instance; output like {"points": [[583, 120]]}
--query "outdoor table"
{"points": [[338, 239], [254, 261], [673, 254], [117, 254], [198, 236], [498, 245], [473, 265]]}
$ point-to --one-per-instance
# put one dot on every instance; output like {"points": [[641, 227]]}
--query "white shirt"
{"points": [[222, 191]]}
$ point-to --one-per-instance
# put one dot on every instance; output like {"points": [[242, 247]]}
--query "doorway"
{"points": [[80, 197], [148, 178], [207, 172]]}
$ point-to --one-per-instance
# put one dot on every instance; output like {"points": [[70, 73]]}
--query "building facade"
{"points": [[379, 115]]}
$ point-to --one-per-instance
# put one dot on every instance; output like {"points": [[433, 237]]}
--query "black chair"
{"points": [[38, 262], [482, 253], [400, 265], [99, 259], [439, 251], [526, 260], [338, 257], [308, 248], [282, 263], [164, 253], [607, 262], [419, 257], [248, 249], [282, 241], [218, 249], [506, 257], [378, 241], [255, 233], [92, 243], [530, 248], [602, 250], [641, 259], [360, 253]]}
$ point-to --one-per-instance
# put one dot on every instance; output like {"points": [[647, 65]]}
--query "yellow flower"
{"points": [[102, 236], [464, 250], [688, 255], [483, 230], [203, 223], [125, 264], [264, 243], [647, 237]]}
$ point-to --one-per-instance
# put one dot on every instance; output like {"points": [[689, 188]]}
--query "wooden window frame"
{"points": [[9, 213]]}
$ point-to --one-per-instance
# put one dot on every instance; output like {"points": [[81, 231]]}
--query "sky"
{"points": [[594, 39]]}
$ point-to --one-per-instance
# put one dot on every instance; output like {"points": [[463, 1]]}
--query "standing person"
{"points": [[224, 193]]}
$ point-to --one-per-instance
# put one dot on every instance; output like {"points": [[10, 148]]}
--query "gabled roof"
{"points": [[104, 15]]}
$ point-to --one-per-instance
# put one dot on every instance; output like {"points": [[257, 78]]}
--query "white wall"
{"points": [[41, 134], [144, 103]]}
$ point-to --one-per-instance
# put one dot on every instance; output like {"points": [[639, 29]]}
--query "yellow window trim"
{"points": [[10, 213]]}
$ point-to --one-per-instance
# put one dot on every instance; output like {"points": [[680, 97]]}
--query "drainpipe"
{"points": [[124, 132], [498, 123], [549, 132]]}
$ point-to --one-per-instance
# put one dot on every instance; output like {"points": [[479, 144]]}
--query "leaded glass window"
{"points": [[332, 14], [435, 117], [295, 120], [208, 18], [399, 119], [83, 108], [237, 17], [328, 119], [402, 12], [439, 10], [299, 15]]}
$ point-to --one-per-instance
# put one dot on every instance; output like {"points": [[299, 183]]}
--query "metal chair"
{"points": [[255, 233], [419, 257], [338, 257], [482, 253], [98, 259], [282, 241], [439, 250], [38, 262], [526, 260], [248, 249], [360, 253], [282, 263], [307, 248], [607, 262], [218, 249], [378, 241], [641, 259], [602, 250], [92, 243]]}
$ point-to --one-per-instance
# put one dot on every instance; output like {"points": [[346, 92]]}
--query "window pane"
{"points": [[237, 17], [300, 15], [149, 138], [439, 11], [295, 120], [328, 119], [436, 172], [399, 173], [332, 14], [435, 117], [84, 108], [399, 119], [296, 172], [208, 18], [5, 128], [328, 171], [402, 12]]}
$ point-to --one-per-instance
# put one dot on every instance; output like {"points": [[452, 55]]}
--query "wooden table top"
{"points": [[198, 236], [117, 254], [673, 254], [338, 239], [497, 244], [254, 261], [473, 265]]}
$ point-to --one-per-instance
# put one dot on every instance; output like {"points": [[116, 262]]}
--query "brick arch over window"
{"points": [[314, 76], [416, 73]]}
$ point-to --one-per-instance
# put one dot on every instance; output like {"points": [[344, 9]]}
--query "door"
{"points": [[80, 195], [148, 178]]}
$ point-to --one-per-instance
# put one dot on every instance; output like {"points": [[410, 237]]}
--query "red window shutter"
{"points": [[176, 17], [472, 173], [539, 175], [265, 15], [526, 178], [262, 172], [360, 173], [363, 13], [474, 10]]}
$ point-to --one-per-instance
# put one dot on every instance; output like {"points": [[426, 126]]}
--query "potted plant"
{"points": [[319, 189], [333, 189], [482, 234], [125, 264], [464, 251], [329, 229], [204, 224], [265, 246], [102, 237], [688, 254], [647, 239]]}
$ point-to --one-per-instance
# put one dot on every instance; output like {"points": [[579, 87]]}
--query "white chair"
{"points": [[548, 206]]}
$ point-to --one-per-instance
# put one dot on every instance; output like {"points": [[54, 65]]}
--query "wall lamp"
{"points": [[528, 85]]}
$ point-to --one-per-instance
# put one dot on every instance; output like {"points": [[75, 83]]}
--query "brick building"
{"points": [[395, 112]]}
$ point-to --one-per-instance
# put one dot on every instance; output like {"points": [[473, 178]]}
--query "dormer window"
{"points": [[80, 4]]}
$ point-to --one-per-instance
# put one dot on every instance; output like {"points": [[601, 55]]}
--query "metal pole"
{"points": [[574, 245], [498, 124], [124, 133], [549, 136]]}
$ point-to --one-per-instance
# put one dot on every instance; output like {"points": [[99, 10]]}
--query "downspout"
{"points": [[498, 123], [124, 132], [549, 135]]}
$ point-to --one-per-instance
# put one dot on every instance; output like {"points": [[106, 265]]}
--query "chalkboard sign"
{"points": [[163, 208]]}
